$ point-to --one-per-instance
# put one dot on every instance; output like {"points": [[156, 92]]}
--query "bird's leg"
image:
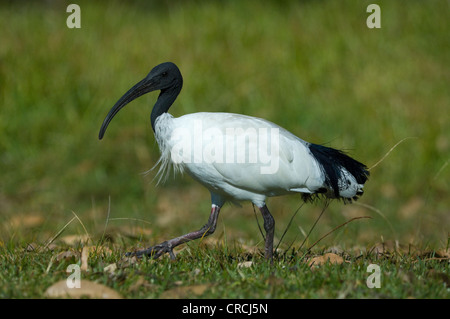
{"points": [[167, 246], [269, 227]]}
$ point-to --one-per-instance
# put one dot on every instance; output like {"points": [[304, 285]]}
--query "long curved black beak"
{"points": [[136, 91]]}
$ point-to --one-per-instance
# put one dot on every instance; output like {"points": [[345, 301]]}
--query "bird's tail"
{"points": [[344, 176]]}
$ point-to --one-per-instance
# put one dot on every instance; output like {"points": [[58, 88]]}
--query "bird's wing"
{"points": [[251, 154]]}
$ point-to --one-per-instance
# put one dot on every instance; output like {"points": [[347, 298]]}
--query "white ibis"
{"points": [[238, 158]]}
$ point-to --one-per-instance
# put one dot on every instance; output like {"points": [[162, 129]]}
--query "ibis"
{"points": [[238, 158]]}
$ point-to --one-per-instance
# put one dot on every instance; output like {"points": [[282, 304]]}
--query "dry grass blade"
{"points": [[389, 152], [376, 210], [51, 240], [129, 218], [82, 225], [257, 221], [440, 170], [287, 227], [336, 228], [327, 203], [107, 218]]}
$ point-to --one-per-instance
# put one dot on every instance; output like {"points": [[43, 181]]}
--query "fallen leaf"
{"points": [[335, 250], [111, 268], [443, 253], [126, 262], [245, 264], [73, 240], [327, 258], [250, 250], [66, 255], [87, 289], [32, 247], [84, 259]]}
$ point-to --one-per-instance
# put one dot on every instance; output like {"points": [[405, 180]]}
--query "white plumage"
{"points": [[295, 170], [238, 157]]}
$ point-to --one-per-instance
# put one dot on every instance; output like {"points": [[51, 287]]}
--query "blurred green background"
{"points": [[313, 67]]}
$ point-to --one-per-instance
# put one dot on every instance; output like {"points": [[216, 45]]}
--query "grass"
{"points": [[313, 68], [215, 271]]}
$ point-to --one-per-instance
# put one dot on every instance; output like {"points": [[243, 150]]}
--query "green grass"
{"points": [[311, 67], [215, 272]]}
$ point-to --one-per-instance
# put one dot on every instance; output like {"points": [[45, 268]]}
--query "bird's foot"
{"points": [[154, 251]]}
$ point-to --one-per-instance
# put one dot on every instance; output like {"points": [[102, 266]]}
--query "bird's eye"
{"points": [[164, 73]]}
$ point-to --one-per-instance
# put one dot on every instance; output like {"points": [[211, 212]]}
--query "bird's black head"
{"points": [[165, 77]]}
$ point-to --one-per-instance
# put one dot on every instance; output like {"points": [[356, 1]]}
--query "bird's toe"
{"points": [[153, 252]]}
